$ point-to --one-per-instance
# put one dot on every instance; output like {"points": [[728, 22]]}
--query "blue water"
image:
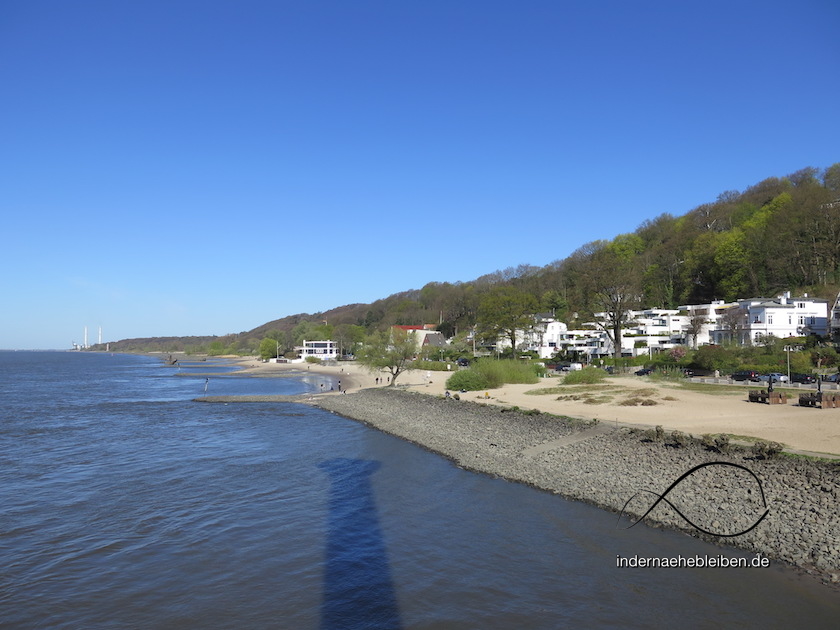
{"points": [[127, 505]]}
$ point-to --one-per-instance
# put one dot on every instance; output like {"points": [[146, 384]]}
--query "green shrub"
{"points": [[468, 380], [492, 373], [764, 450], [586, 376], [498, 372], [718, 442]]}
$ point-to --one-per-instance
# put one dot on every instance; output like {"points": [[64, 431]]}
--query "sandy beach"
{"points": [[727, 410]]}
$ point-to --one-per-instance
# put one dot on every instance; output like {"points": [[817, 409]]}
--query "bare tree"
{"points": [[734, 322], [614, 290], [696, 320]]}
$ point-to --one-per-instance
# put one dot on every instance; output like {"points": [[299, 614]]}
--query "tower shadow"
{"points": [[358, 590]]}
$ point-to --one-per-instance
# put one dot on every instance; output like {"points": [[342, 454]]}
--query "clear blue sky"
{"points": [[203, 167]]}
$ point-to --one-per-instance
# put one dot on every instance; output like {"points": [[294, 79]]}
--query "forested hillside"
{"points": [[783, 233]]}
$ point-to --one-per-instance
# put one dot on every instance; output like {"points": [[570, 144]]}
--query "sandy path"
{"points": [[798, 428]]}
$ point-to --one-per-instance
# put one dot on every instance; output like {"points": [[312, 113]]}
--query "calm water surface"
{"points": [[127, 505]]}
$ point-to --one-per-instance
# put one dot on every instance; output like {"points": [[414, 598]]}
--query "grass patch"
{"points": [[573, 389], [586, 376], [637, 401], [645, 392], [709, 388], [493, 373], [598, 400], [542, 391], [586, 398]]}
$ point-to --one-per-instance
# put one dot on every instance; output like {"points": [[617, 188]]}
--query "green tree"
{"points": [[504, 311], [348, 337], [393, 352], [715, 358], [823, 356], [268, 348], [303, 330]]}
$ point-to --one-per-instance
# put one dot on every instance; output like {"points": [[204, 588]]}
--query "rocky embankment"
{"points": [[619, 469]]}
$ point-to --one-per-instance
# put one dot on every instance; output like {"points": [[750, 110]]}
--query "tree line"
{"points": [[782, 233]]}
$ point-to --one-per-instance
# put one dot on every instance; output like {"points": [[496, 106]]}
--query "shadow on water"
{"points": [[358, 591]]}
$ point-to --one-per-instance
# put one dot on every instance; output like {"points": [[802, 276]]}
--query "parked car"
{"points": [[778, 377], [644, 372], [745, 375], [463, 362], [832, 378], [806, 379]]}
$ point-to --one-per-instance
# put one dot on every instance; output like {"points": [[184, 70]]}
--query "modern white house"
{"points": [[650, 331], [324, 349]]}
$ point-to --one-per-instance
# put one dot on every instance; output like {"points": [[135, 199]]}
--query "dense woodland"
{"points": [[783, 233]]}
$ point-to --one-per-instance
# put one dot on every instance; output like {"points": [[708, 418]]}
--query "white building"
{"points": [[325, 350], [750, 321], [707, 318], [655, 330]]}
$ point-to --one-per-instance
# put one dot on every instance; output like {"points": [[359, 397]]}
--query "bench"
{"points": [[823, 400], [771, 398]]}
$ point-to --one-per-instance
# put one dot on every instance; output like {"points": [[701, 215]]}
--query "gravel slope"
{"points": [[607, 467]]}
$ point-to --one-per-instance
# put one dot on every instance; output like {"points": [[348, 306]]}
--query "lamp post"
{"points": [[788, 349]]}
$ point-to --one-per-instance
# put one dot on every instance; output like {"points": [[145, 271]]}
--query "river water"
{"points": [[127, 505]]}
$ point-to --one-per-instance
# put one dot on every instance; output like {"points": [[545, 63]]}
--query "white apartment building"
{"points": [[325, 350], [555, 337]]}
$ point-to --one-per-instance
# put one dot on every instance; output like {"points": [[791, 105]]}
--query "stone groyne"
{"points": [[624, 470]]}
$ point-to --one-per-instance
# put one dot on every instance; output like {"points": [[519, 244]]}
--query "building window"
{"points": [[769, 319], [801, 320]]}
